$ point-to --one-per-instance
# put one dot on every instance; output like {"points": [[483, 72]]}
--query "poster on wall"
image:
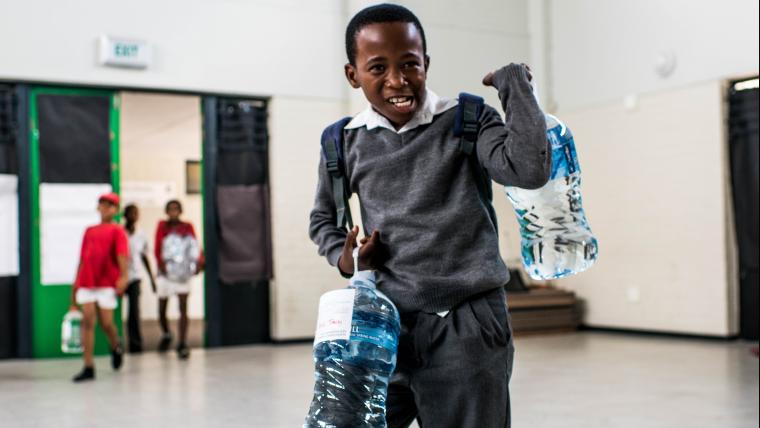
{"points": [[148, 193], [66, 210], [8, 225]]}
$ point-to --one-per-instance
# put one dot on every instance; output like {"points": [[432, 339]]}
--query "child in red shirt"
{"points": [[167, 287], [102, 274]]}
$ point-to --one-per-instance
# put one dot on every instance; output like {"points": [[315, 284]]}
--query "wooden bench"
{"points": [[542, 310]]}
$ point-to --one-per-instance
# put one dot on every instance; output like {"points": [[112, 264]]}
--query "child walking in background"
{"points": [[138, 250], [101, 276], [174, 231]]}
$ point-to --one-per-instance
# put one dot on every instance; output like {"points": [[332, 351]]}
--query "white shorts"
{"points": [[165, 287], [105, 297]]}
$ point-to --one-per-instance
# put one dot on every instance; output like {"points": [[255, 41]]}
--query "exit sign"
{"points": [[117, 52]]}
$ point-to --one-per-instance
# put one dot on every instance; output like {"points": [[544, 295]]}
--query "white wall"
{"points": [[258, 47], [655, 176], [603, 50], [300, 275], [158, 134], [656, 193], [9, 248]]}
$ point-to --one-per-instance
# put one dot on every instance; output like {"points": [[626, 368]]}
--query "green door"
{"points": [[74, 155]]}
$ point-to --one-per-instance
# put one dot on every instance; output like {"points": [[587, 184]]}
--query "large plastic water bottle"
{"points": [[180, 254], [71, 333], [355, 348], [556, 237]]}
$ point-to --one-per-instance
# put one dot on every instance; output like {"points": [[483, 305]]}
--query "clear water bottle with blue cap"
{"points": [[556, 239], [355, 347]]}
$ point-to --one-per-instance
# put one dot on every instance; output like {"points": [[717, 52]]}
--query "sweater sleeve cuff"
{"points": [[333, 259], [512, 71], [334, 255]]}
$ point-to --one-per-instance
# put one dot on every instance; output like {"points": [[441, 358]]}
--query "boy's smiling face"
{"points": [[390, 68]]}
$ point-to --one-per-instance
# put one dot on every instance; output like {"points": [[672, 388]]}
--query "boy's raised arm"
{"points": [[515, 152]]}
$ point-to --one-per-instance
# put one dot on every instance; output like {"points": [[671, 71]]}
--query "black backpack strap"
{"points": [[466, 123], [467, 128], [332, 150]]}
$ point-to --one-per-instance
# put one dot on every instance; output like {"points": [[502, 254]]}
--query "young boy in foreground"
{"points": [[428, 232]]}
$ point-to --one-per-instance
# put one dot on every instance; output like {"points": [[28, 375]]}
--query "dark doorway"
{"points": [[237, 208], [8, 184], [743, 146]]}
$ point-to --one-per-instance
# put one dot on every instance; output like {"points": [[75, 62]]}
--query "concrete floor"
{"points": [[584, 380], [151, 333]]}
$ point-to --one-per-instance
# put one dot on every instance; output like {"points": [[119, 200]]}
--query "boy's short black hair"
{"points": [[173, 202], [375, 15]]}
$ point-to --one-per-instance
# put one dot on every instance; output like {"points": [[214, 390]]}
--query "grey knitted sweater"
{"points": [[419, 192]]}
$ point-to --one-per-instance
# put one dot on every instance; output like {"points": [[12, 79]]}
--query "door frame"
{"points": [[49, 302]]}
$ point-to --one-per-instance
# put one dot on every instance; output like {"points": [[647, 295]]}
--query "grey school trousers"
{"points": [[453, 372]]}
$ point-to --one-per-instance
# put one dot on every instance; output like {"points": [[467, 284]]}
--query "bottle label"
{"points": [[335, 311], [375, 335], [564, 156]]}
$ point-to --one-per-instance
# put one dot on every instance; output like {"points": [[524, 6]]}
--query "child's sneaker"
{"points": [[87, 373], [166, 341], [117, 357], [183, 352]]}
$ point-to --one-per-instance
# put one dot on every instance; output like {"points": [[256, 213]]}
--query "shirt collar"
{"points": [[433, 106]]}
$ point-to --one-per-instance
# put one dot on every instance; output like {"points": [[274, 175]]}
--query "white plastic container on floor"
{"points": [[71, 333]]}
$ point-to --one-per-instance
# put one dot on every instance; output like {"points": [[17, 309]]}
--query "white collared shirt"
{"points": [[433, 106]]}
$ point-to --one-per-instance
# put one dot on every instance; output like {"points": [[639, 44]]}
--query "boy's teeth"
{"points": [[401, 101]]}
